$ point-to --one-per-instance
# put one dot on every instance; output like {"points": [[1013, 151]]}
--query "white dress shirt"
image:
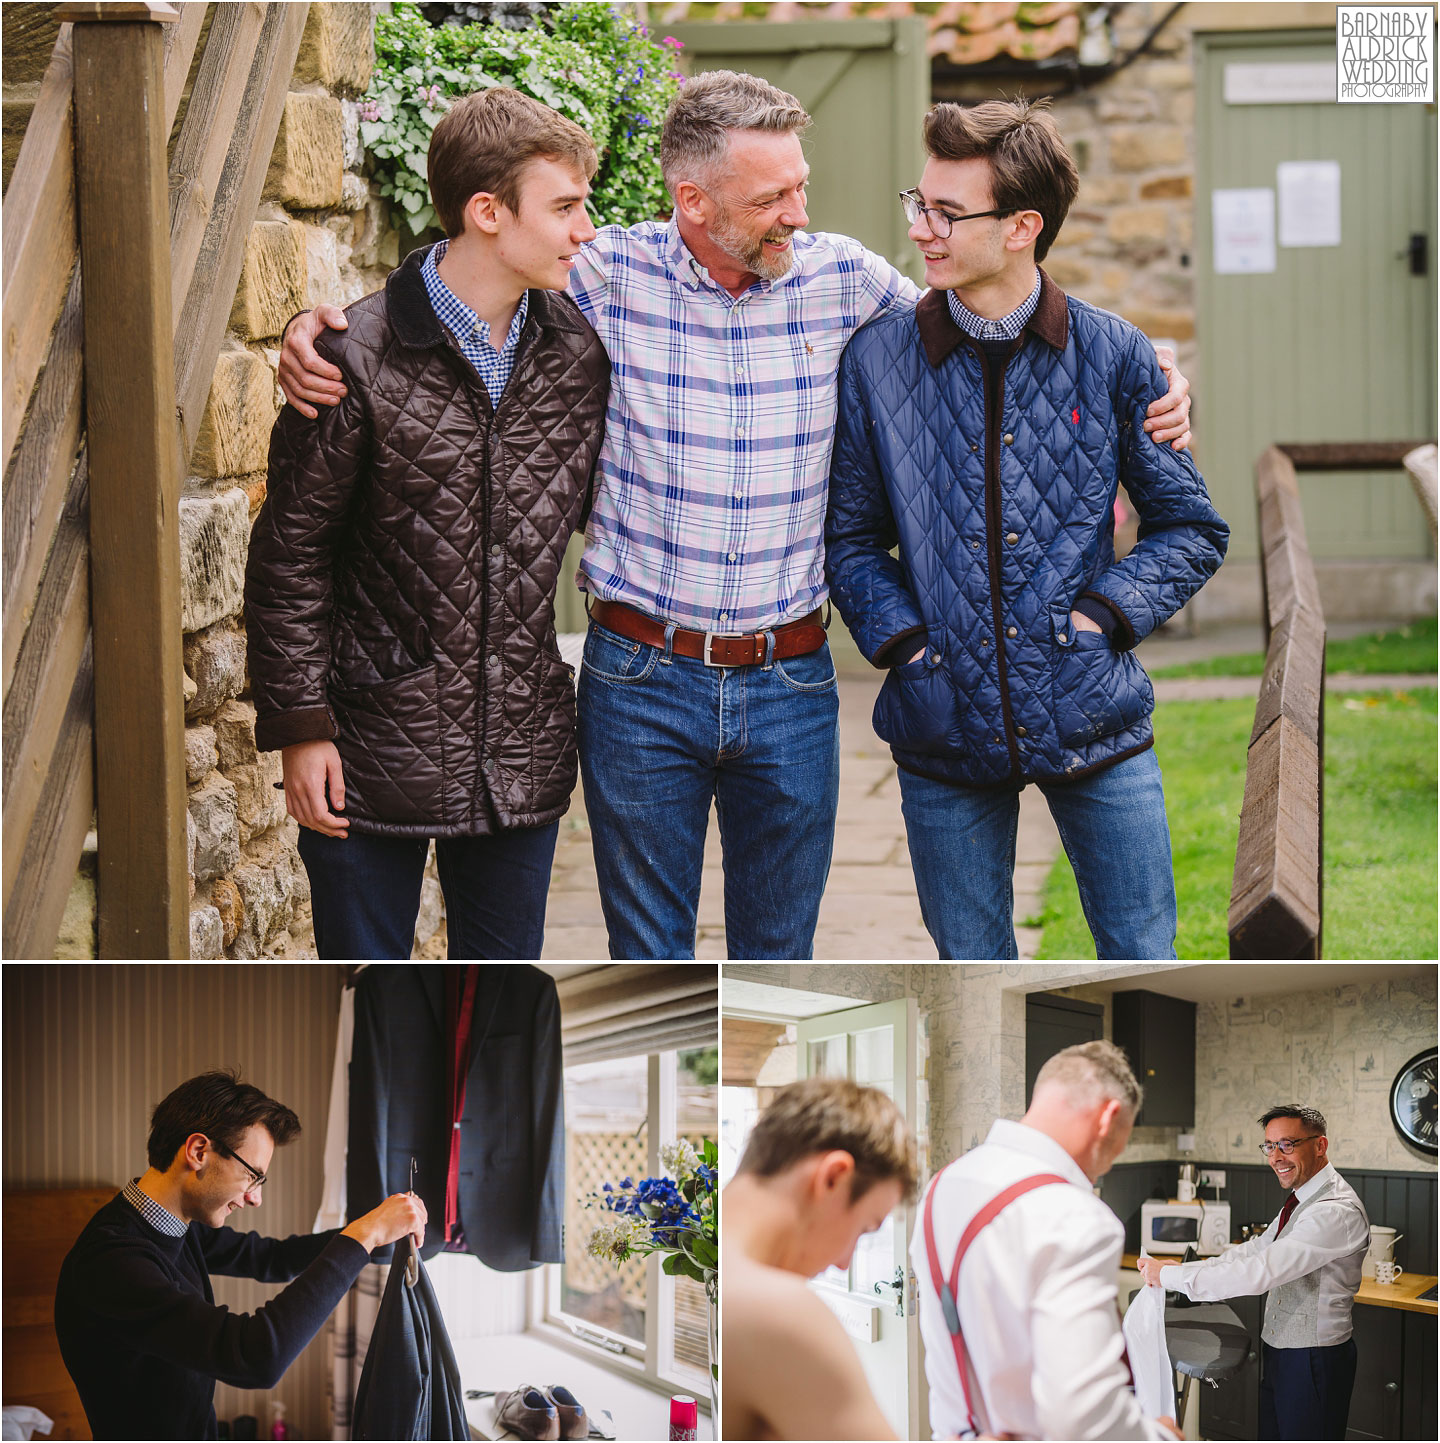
{"points": [[1037, 1300], [1324, 1243]]}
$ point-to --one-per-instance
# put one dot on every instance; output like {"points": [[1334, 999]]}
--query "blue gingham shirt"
{"points": [[470, 332], [1007, 328], [712, 481], [160, 1218]]}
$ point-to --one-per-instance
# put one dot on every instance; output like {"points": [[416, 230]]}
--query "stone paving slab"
{"points": [[870, 909]]}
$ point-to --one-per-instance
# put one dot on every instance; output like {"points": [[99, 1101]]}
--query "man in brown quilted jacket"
{"points": [[401, 581]]}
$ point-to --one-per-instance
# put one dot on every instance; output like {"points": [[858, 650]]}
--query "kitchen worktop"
{"points": [[1403, 1294]]}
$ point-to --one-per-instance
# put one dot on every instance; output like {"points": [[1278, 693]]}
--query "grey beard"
{"points": [[750, 252]]}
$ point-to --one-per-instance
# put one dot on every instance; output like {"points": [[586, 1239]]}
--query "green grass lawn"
{"points": [[1406, 648], [1380, 827]]}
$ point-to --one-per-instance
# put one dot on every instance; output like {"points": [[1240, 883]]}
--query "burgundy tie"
{"points": [[1291, 1203]]}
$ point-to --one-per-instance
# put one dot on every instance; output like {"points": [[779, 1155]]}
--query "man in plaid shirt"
{"points": [[706, 674]]}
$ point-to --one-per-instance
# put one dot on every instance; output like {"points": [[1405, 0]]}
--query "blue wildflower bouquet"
{"points": [[676, 1216]]}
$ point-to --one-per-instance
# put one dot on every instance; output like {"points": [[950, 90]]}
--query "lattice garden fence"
{"points": [[601, 1157]]}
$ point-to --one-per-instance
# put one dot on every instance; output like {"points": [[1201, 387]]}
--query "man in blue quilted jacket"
{"points": [[986, 433]]}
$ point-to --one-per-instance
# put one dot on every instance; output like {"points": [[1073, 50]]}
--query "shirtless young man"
{"points": [[826, 1163]]}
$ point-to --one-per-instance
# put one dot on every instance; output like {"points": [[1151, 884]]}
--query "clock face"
{"points": [[1413, 1101]]}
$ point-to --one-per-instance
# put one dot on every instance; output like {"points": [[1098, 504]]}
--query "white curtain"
{"points": [[349, 1330]]}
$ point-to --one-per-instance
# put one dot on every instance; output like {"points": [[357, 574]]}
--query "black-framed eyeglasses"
{"points": [[1286, 1145], [941, 222], [257, 1179]]}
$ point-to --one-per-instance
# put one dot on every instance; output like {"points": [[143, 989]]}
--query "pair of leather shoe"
{"points": [[541, 1413]]}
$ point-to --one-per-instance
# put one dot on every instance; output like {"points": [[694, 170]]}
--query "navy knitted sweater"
{"points": [[141, 1334]]}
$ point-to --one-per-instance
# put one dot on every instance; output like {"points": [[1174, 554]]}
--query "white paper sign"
{"points": [[1243, 224], [1309, 202], [1297, 83]]}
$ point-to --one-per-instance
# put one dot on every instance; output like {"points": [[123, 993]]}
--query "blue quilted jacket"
{"points": [[1004, 522]]}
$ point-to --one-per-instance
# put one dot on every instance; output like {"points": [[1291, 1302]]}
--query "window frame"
{"points": [[652, 1363]]}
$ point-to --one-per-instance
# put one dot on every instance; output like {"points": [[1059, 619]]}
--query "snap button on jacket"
{"points": [[402, 572]]}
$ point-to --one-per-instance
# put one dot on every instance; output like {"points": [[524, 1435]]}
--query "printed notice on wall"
{"points": [[1309, 202], [1243, 223]]}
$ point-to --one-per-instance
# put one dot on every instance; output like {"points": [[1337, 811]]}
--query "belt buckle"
{"points": [[757, 636]]}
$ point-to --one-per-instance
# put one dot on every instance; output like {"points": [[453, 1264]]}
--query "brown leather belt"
{"points": [[793, 638]]}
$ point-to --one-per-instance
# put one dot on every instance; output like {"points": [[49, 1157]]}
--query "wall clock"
{"points": [[1413, 1101]]}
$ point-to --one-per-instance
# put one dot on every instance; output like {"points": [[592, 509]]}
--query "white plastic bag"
{"points": [[1149, 1357]]}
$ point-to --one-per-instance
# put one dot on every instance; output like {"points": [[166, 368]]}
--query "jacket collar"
{"points": [[940, 335], [412, 318]]}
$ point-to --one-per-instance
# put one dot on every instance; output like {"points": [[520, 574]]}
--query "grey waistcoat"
{"points": [[1292, 1311]]}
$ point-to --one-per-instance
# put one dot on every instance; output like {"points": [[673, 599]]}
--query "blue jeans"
{"points": [[365, 893], [962, 847], [660, 736]]}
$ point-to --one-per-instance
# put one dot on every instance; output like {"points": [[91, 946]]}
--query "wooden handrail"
{"points": [[201, 319], [39, 239], [1277, 896], [39, 245], [40, 479], [216, 177]]}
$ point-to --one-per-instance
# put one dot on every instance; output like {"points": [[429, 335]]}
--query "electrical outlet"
{"points": [[1212, 1177]]}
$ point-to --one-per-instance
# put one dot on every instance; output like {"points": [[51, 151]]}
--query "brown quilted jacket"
{"points": [[400, 590]]}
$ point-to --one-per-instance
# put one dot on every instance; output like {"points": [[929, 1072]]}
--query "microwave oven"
{"points": [[1168, 1228]]}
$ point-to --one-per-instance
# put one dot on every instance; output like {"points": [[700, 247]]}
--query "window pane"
{"points": [[875, 1059], [827, 1057], [605, 1141]]}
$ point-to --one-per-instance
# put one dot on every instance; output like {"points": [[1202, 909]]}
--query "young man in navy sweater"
{"points": [[138, 1325]]}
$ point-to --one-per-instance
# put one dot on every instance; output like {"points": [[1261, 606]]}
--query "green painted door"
{"points": [[1338, 342], [866, 83]]}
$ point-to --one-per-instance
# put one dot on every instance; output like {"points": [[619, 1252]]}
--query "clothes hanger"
{"points": [[412, 1263]]}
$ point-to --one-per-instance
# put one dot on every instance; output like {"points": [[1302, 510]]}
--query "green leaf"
{"points": [[673, 1263], [411, 201]]}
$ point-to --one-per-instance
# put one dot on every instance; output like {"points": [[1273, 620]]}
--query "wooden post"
{"points": [[123, 205]]}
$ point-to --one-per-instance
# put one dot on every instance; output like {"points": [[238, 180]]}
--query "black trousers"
{"points": [[1305, 1392]]}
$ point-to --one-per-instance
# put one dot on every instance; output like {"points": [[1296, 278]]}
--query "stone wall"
{"points": [[320, 234], [1128, 242], [1336, 1048]]}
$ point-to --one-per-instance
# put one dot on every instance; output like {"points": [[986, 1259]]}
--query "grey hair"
{"points": [[695, 140], [1306, 1116], [1094, 1070]]}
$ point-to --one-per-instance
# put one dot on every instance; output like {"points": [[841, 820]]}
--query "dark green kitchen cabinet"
{"points": [[1157, 1034]]}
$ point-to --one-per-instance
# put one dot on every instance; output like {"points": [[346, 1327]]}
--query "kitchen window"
{"points": [[631, 1318]]}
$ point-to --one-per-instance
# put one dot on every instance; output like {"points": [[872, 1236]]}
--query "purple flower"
{"points": [[673, 43], [369, 110]]}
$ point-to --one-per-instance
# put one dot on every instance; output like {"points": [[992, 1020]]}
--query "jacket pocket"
{"points": [[554, 760], [918, 709], [389, 743], [1097, 690]]}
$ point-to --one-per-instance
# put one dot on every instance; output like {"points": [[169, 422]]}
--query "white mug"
{"points": [[1387, 1272]]}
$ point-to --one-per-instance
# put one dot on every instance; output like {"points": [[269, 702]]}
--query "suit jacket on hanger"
{"points": [[512, 1129], [410, 1384]]}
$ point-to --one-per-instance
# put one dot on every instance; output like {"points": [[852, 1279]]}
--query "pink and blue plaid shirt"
{"points": [[712, 482]]}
